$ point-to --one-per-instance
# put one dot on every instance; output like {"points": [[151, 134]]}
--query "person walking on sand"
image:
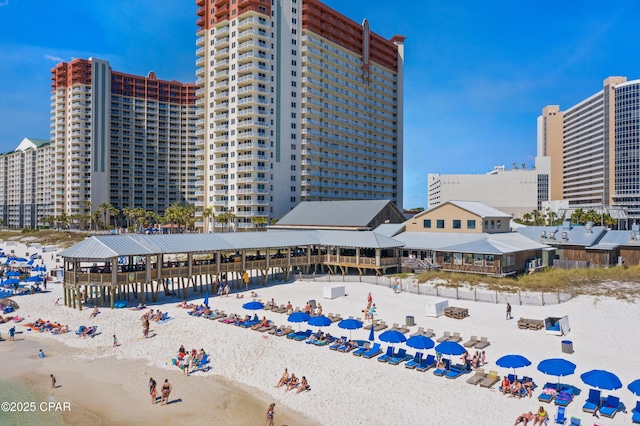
{"points": [[270, 413], [508, 311], [227, 289], [115, 341], [395, 288], [152, 390], [53, 381], [166, 391], [12, 333]]}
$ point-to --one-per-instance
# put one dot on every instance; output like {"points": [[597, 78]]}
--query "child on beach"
{"points": [[53, 381], [115, 341]]}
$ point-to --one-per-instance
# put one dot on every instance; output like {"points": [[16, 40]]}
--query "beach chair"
{"points": [[455, 371], [441, 371], [427, 363], [420, 332], [610, 406], [395, 326], [381, 325], [285, 331], [417, 359], [335, 346], [593, 401], [482, 343], [387, 355], [202, 365], [363, 349], [227, 318], [564, 397], [491, 379], [523, 323], [455, 337], [266, 328], [273, 330], [429, 332], [401, 356], [80, 330], [560, 416], [635, 413], [547, 395], [444, 337], [374, 351], [477, 377], [469, 343], [300, 336], [575, 421], [403, 329]]}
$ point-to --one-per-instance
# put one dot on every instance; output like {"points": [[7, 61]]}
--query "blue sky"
{"points": [[477, 73]]}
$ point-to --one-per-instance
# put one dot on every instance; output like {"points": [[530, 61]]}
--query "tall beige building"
{"points": [[299, 103], [119, 138], [550, 144]]}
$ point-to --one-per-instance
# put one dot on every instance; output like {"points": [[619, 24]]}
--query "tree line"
{"points": [[579, 216]]}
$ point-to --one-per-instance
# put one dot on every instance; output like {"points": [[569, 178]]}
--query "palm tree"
{"points": [[527, 218], [96, 218], [553, 217], [87, 214], [536, 216], [578, 216], [231, 218], [207, 214], [259, 221], [106, 209], [128, 215], [223, 218]]}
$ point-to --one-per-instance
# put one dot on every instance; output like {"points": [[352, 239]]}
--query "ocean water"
{"points": [[19, 394]]}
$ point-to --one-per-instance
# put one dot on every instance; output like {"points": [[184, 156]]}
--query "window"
{"points": [[486, 224], [498, 224], [468, 259], [493, 224], [471, 224], [488, 260], [457, 258], [478, 260], [457, 224], [426, 223], [446, 257], [440, 223]]}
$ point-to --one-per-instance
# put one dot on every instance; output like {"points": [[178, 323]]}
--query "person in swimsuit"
{"points": [[152, 390], [270, 413], [540, 417], [166, 391], [284, 379]]}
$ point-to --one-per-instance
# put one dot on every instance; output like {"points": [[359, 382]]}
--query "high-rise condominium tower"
{"points": [[121, 139], [299, 103]]}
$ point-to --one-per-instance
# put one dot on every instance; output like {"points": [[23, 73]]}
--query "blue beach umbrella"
{"points": [[420, 342], [299, 317], [39, 269], [512, 361], [635, 387], [206, 298], [350, 324], [14, 274], [556, 367], [392, 336], [254, 306], [450, 348], [371, 333], [35, 279], [601, 379], [11, 281], [319, 321]]}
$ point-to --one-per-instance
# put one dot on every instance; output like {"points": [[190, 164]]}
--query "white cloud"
{"points": [[53, 58]]}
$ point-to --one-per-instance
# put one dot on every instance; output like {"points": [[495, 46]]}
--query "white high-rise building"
{"points": [[299, 103], [25, 181], [122, 139]]}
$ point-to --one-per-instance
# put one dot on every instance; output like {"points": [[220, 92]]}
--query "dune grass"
{"points": [[50, 237], [619, 282]]}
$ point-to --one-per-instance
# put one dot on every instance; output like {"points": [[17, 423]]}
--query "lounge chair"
{"points": [[575, 421], [363, 349], [273, 330], [491, 379], [564, 397], [477, 377], [401, 356], [455, 338], [395, 326], [469, 343], [483, 343], [427, 363], [217, 315], [444, 337], [523, 323], [269, 327], [227, 318], [456, 371], [381, 325], [335, 346], [403, 329], [610, 406], [300, 336], [202, 365], [420, 332], [374, 351], [560, 416], [441, 371], [593, 401], [285, 331], [347, 348], [429, 332], [417, 359], [387, 355], [635, 417], [547, 395]]}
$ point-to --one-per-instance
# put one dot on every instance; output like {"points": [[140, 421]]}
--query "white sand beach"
{"points": [[349, 390]]}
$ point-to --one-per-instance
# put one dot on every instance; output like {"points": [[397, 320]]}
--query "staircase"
{"points": [[419, 265]]}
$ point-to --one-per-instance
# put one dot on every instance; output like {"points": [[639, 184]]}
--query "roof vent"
{"points": [[588, 227], [543, 235], [552, 236], [565, 235]]}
